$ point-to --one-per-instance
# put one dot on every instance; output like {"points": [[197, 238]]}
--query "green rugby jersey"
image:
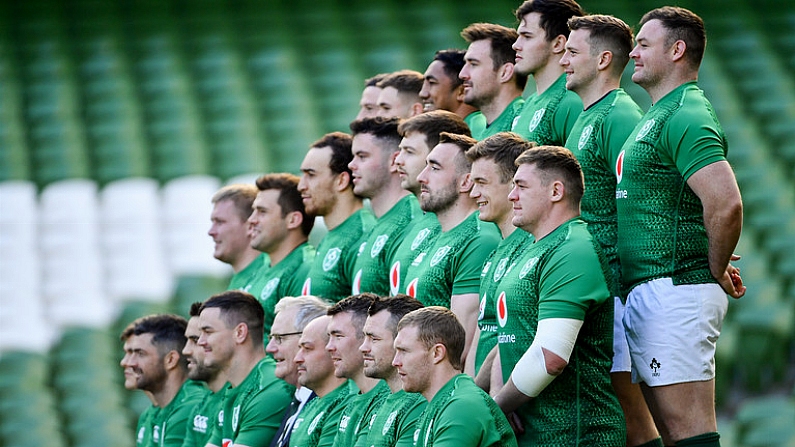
{"points": [[548, 118], [204, 419], [660, 219], [146, 422], [253, 410], [596, 140], [504, 122], [452, 264], [501, 261], [564, 275], [242, 279], [172, 421], [463, 415], [331, 274], [317, 424], [376, 253], [396, 420], [358, 416], [476, 122], [424, 231], [272, 283]]}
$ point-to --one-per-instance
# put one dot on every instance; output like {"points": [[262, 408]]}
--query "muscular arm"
{"points": [[717, 188], [465, 307], [469, 366]]}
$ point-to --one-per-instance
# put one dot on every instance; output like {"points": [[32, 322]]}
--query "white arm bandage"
{"points": [[556, 335]]}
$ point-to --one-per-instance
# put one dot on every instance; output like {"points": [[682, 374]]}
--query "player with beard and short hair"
{"points": [[429, 345], [597, 51], [153, 362], [232, 339], [395, 421], [280, 227], [326, 188], [447, 271], [345, 337], [550, 110], [491, 83]]}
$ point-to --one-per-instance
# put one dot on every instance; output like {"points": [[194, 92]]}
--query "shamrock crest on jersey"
{"points": [[527, 267], [378, 245], [537, 116], [500, 270], [389, 421], [419, 238], [314, 423], [644, 130], [441, 252], [269, 288], [585, 136], [331, 259]]}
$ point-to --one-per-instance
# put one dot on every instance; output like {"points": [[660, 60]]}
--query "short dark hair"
{"points": [[168, 332], [357, 306], [554, 15], [397, 306], [606, 33], [502, 39], [463, 165], [436, 324], [556, 162], [195, 309], [681, 24], [503, 149], [384, 129], [374, 80], [452, 62], [289, 197], [433, 123], [238, 307], [340, 145], [404, 81], [240, 194]]}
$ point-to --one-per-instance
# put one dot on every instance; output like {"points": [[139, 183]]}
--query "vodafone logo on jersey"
{"points": [[307, 288], [357, 283], [411, 289], [620, 166], [394, 279], [502, 310]]}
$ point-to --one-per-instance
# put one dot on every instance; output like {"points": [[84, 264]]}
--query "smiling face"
{"points": [[481, 80], [489, 192], [411, 160], [343, 346], [284, 348], [370, 165], [216, 339], [413, 360], [651, 55], [142, 363], [578, 63], [317, 184], [533, 51], [313, 361], [378, 348], [268, 226], [439, 91], [229, 232], [439, 180]]}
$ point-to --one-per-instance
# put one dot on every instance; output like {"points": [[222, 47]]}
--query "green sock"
{"points": [[656, 442], [703, 440]]}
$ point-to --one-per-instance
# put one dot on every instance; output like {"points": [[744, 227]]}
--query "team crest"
{"points": [[394, 279], [331, 259], [440, 254], [620, 166], [585, 136], [357, 283], [500, 270], [269, 288], [536, 119], [502, 310], [419, 238], [644, 130], [314, 423], [378, 245], [527, 267], [482, 308], [388, 424]]}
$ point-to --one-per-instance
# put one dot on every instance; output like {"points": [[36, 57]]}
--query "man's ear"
{"points": [[678, 50], [343, 181], [294, 220], [559, 44], [171, 360], [506, 72], [415, 109], [439, 353], [241, 333], [465, 183]]}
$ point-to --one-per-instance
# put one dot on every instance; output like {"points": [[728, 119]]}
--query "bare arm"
{"points": [[717, 188], [469, 366], [465, 307]]}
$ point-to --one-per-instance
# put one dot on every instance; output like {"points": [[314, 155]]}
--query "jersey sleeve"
{"points": [[408, 424], [470, 262], [262, 416], [572, 281], [616, 129], [465, 423], [692, 140], [566, 115]]}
